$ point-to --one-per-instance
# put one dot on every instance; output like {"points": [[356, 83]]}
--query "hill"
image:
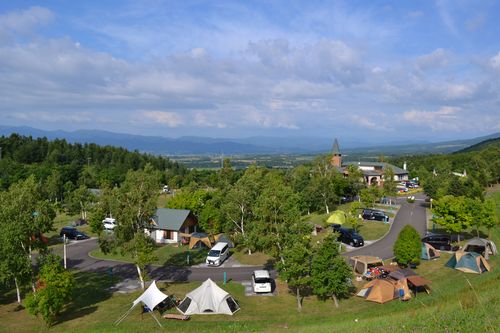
{"points": [[481, 145]]}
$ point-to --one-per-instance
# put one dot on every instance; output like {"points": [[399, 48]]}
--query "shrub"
{"points": [[408, 246]]}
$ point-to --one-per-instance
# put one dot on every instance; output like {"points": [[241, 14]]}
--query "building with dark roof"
{"points": [[372, 171], [167, 225]]}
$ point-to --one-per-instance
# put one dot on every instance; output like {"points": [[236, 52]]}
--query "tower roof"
{"points": [[336, 149]]}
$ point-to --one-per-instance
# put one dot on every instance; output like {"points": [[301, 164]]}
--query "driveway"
{"points": [[413, 214]]}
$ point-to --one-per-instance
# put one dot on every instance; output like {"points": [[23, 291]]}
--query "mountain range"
{"points": [[242, 146]]}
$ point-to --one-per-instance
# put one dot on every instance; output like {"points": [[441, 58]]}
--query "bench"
{"points": [[175, 316]]}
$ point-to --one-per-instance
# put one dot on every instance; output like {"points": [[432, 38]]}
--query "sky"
{"points": [[372, 70]]}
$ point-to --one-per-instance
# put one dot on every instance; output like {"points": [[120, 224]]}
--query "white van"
{"points": [[261, 281], [218, 253], [109, 223]]}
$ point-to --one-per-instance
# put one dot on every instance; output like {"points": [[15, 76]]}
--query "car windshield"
{"points": [[213, 253], [262, 280]]}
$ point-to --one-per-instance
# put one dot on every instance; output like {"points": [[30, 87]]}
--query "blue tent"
{"points": [[468, 262]]}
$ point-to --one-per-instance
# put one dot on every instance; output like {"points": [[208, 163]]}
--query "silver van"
{"points": [[218, 253]]}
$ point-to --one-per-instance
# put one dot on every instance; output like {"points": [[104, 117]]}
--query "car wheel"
{"points": [[351, 243]]}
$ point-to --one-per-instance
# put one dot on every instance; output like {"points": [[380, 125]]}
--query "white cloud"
{"points": [[446, 118], [53, 117], [436, 58], [26, 21], [170, 119], [495, 61]]}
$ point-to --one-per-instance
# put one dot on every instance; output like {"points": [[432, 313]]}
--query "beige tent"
{"points": [[361, 264], [196, 238]]}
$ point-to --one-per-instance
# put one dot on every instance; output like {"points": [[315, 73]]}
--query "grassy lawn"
{"points": [[255, 259], [166, 255]]}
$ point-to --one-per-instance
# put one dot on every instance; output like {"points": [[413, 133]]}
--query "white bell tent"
{"points": [[208, 298], [151, 297]]}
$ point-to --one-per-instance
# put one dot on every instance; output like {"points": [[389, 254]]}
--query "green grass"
{"points": [[255, 259], [166, 255]]}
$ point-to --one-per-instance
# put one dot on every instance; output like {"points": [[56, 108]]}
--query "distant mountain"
{"points": [[244, 146], [481, 145]]}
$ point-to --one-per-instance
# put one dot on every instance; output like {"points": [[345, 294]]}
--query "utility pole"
{"points": [[64, 250]]}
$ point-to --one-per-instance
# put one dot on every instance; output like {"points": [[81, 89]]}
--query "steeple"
{"points": [[337, 156]]}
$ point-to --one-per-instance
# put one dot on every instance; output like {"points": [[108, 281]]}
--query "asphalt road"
{"points": [[78, 258], [409, 213]]}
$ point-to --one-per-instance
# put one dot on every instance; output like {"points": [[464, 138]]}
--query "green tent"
{"points": [[337, 217]]}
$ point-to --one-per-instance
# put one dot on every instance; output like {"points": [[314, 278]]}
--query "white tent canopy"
{"points": [[208, 298], [151, 297]]}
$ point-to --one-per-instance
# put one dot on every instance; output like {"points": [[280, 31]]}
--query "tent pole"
{"points": [[152, 314], [119, 320]]}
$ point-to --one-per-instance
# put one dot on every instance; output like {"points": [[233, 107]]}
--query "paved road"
{"points": [[410, 213], [77, 254]]}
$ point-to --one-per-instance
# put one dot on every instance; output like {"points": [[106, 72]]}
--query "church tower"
{"points": [[337, 156]]}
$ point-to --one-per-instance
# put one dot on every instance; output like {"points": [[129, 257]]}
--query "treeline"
{"points": [[436, 172], [74, 164]]}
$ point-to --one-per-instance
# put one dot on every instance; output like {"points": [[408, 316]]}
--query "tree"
{"points": [[323, 180], [240, 201], [296, 269], [135, 203], [55, 286], [353, 215], [482, 214], [407, 248], [452, 213], [330, 274], [24, 218], [367, 197], [389, 187], [80, 201]]}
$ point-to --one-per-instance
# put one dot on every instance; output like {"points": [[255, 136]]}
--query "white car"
{"points": [[109, 223], [217, 254], [261, 281]]}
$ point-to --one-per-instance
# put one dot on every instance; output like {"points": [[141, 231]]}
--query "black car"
{"points": [[349, 236], [72, 233], [374, 215], [440, 242]]}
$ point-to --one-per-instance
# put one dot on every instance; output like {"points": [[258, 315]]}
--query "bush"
{"points": [[407, 248]]}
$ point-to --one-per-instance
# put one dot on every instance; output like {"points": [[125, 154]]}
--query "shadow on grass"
{"points": [[91, 288]]}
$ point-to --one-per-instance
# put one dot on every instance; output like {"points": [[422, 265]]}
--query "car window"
{"points": [[213, 253], [262, 280]]}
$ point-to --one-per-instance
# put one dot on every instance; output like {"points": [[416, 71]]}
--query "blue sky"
{"points": [[377, 70]]}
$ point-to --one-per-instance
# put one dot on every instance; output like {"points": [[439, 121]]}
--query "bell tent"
{"points": [[208, 298], [429, 252], [482, 246], [151, 297], [468, 262]]}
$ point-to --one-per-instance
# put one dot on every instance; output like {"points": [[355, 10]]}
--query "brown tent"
{"points": [[380, 290], [361, 264], [197, 238]]}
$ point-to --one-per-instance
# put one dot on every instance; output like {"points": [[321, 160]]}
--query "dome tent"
{"points": [[468, 262], [208, 298], [429, 252], [337, 217], [482, 246]]}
